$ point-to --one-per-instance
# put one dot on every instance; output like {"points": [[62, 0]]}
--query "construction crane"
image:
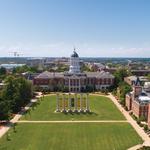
{"points": [[15, 53]]}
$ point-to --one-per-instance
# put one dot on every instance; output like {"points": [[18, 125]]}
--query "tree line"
{"points": [[121, 88], [16, 93]]}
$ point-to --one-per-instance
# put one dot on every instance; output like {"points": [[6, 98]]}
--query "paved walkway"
{"points": [[138, 129], [136, 147], [5, 128], [76, 121]]}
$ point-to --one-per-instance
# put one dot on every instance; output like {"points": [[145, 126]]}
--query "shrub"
{"points": [[145, 128], [141, 125], [142, 118], [126, 108], [138, 121]]}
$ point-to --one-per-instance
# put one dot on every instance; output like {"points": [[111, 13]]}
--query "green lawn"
{"points": [[72, 136], [77, 136], [102, 109]]}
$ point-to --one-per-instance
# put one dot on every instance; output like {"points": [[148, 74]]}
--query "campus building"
{"points": [[138, 101], [149, 116], [74, 80]]}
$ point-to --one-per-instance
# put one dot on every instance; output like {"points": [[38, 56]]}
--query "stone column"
{"points": [[75, 85], [87, 104], [75, 101], [69, 102], [81, 107], [79, 85], [57, 103], [64, 107], [69, 84]]}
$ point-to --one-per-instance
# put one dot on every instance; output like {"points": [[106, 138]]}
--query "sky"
{"points": [[96, 28]]}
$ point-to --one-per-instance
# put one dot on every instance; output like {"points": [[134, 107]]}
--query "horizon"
{"points": [[106, 29], [85, 57]]}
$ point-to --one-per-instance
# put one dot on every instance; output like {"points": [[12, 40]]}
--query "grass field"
{"points": [[102, 108], [77, 136], [72, 136]]}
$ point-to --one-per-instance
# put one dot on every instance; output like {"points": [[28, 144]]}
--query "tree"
{"points": [[4, 109], [120, 85], [84, 67], [119, 76], [123, 89], [90, 88], [145, 127], [3, 71], [9, 89], [24, 68], [17, 91], [148, 77], [23, 93]]}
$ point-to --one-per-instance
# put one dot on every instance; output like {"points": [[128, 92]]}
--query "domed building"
{"points": [[74, 80], [74, 63]]}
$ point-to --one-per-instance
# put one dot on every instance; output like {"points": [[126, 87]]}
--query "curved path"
{"points": [[5, 128], [138, 129]]}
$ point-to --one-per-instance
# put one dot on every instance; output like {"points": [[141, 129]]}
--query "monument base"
{"points": [[87, 111], [69, 110], [75, 111], [71, 102], [81, 110], [57, 110], [63, 111]]}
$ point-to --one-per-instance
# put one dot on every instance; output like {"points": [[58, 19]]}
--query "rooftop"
{"points": [[74, 54], [47, 75]]}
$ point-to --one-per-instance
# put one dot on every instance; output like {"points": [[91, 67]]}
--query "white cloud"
{"points": [[58, 49]]}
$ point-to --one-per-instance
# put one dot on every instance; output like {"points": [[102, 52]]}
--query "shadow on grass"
{"points": [[80, 113]]}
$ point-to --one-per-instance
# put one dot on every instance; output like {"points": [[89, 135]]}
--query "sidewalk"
{"points": [[138, 129], [5, 128], [75, 121]]}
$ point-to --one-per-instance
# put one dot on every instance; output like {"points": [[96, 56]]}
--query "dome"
{"points": [[137, 82], [74, 54]]}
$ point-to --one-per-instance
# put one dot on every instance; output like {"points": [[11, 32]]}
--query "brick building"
{"points": [[138, 100], [149, 116], [74, 80]]}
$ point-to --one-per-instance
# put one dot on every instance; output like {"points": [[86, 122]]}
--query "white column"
{"points": [[81, 108], [64, 107], [87, 103], [75, 101], [69, 84], [79, 85], [69, 102], [75, 85], [57, 101]]}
